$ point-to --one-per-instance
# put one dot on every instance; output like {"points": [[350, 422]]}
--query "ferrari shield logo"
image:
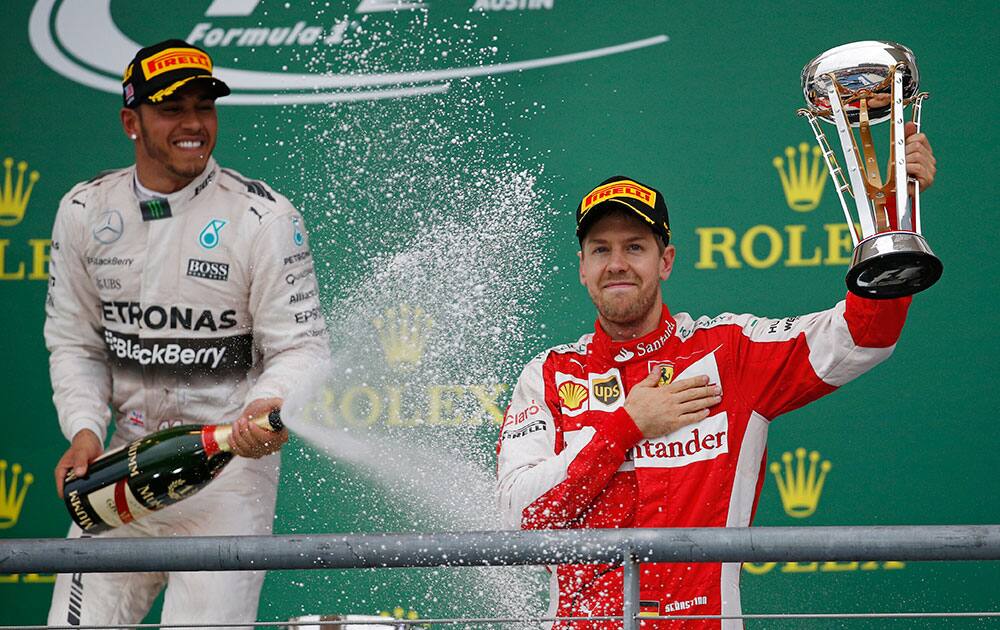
{"points": [[666, 371]]}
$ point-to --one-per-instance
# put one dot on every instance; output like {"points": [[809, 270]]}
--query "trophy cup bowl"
{"points": [[860, 66], [853, 87]]}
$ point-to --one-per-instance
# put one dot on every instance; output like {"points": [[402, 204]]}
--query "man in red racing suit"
{"points": [[661, 420]]}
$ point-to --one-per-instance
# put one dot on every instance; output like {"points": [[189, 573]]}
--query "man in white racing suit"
{"points": [[180, 292]]}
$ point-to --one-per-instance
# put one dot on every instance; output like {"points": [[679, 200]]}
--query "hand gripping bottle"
{"points": [[151, 473]]}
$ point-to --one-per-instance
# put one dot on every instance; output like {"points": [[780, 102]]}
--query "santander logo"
{"points": [[81, 41], [642, 349], [694, 443]]}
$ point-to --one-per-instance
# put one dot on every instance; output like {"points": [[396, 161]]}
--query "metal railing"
{"points": [[627, 547]]}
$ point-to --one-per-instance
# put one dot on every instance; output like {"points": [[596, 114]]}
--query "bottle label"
{"points": [[116, 504]]}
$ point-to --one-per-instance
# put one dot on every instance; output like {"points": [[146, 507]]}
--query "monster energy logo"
{"points": [[155, 209]]}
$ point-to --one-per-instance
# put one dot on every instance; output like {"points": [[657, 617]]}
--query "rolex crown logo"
{"points": [[800, 489], [12, 497], [803, 179], [403, 332], [14, 196]]}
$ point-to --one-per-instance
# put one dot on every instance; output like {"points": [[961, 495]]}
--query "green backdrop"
{"points": [[437, 152]]}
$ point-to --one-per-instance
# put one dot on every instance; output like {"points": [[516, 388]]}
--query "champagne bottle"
{"points": [[151, 473]]}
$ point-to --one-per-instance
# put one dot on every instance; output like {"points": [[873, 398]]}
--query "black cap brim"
{"points": [[217, 88], [597, 211]]}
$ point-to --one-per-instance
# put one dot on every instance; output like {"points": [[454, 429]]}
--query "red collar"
{"points": [[617, 353]]}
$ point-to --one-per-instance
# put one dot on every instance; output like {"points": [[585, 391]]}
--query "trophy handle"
{"points": [[836, 174], [918, 102], [850, 147]]}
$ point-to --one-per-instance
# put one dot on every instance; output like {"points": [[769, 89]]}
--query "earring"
{"points": [[134, 137]]}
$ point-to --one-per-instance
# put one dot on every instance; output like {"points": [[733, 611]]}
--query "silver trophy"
{"points": [[855, 86]]}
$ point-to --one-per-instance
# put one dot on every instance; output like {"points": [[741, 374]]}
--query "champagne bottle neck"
{"points": [[215, 437]]}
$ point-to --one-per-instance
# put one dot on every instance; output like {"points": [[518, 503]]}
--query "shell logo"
{"points": [[572, 395]]}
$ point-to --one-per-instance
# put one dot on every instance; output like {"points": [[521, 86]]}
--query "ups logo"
{"points": [[607, 390]]}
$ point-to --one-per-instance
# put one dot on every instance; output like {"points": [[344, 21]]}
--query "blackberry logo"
{"points": [[208, 270]]}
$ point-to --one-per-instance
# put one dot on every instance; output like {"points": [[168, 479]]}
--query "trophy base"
{"points": [[891, 265]]}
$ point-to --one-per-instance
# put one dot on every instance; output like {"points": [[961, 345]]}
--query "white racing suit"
{"points": [[179, 310]]}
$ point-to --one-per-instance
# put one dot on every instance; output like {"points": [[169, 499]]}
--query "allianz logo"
{"points": [[82, 42]]}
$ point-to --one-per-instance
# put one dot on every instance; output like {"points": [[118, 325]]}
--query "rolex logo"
{"points": [[14, 196], [800, 488], [12, 497], [802, 179], [403, 332]]}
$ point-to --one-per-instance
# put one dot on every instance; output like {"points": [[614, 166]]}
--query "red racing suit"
{"points": [[570, 456]]}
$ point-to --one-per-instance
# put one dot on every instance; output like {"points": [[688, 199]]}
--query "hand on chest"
{"points": [[586, 397]]}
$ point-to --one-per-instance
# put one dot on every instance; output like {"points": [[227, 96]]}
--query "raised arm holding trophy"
{"points": [[858, 85]]}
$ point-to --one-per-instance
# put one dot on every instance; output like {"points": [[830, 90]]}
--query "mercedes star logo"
{"points": [[109, 227]]}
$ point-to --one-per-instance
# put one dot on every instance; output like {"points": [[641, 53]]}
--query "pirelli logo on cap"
{"points": [[128, 73], [624, 188], [175, 59]]}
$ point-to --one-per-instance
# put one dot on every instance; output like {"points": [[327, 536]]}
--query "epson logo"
{"points": [[305, 316], [208, 270]]}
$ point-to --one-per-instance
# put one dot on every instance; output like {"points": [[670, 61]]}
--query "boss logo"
{"points": [[208, 270]]}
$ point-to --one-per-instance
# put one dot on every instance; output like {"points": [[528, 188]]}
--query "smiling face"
{"points": [[622, 264], [175, 138]]}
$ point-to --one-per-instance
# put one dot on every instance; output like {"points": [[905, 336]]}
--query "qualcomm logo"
{"points": [[80, 40]]}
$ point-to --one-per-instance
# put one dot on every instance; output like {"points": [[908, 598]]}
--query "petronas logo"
{"points": [[15, 194], [12, 495], [802, 178], [209, 236], [403, 332], [800, 485]]}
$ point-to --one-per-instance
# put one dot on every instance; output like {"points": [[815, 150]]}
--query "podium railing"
{"points": [[628, 547]]}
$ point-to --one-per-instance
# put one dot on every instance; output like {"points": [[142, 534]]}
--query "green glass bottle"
{"points": [[151, 473]]}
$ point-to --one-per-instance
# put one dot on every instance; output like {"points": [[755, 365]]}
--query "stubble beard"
{"points": [[161, 155], [624, 311]]}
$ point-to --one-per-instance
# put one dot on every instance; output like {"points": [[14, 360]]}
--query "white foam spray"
{"points": [[433, 237]]}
